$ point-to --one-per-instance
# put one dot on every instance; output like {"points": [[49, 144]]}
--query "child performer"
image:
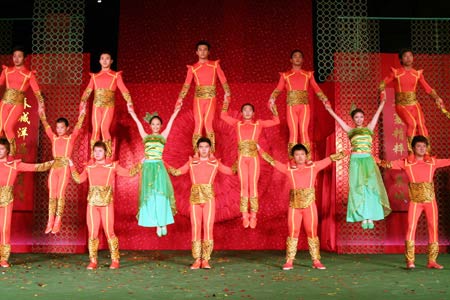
{"points": [[248, 132], [422, 198], [100, 208], [302, 205], [62, 147], [156, 200], [8, 173], [203, 172], [367, 197]]}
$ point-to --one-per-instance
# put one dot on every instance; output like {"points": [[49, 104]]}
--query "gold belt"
{"points": [[205, 91], [201, 193], [104, 98], [405, 98], [421, 192], [302, 198], [60, 162], [6, 195], [100, 195], [295, 97], [248, 148], [13, 96]]}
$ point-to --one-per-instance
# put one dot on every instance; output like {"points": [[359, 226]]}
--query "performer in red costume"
{"points": [[297, 82], [8, 173], [422, 198], [17, 80], [407, 107], [100, 208], [62, 147], [203, 172], [204, 73], [248, 132], [104, 85], [302, 205]]}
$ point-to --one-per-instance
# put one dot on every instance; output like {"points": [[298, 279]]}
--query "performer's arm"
{"points": [[123, 89], [87, 92], [138, 123], [430, 91], [225, 116], [77, 128], [35, 87], [180, 171], [322, 164], [277, 91], [275, 119], [166, 131], [121, 171], [223, 80], [186, 85], [322, 97], [225, 170], [442, 163], [3, 76], [78, 178], [42, 167], [47, 127], [398, 164], [341, 122], [388, 79], [375, 118], [274, 163]]}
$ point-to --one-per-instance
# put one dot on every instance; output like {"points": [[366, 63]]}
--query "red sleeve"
{"points": [[224, 169], [3, 77], [281, 167], [24, 167], [398, 164], [79, 178], [322, 164], [424, 83], [49, 132], [189, 75], [33, 82], [123, 89], [314, 84], [281, 83], [442, 163], [185, 168], [220, 73], [228, 119], [121, 171], [89, 88], [390, 77], [269, 123]]}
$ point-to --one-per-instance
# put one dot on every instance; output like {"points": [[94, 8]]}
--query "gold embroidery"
{"points": [[268, 158], [60, 209], [43, 167], [302, 198], [421, 192], [248, 148], [409, 251], [314, 248], [113, 244], [52, 206], [385, 164], [195, 138], [5, 252], [295, 97], [104, 98], [93, 248], [205, 91], [382, 86], [254, 205], [275, 94], [337, 156], [13, 96], [39, 96], [80, 121], [226, 88], [6, 195], [100, 195], [60, 162], [243, 204], [405, 98], [76, 176], [184, 91], [207, 248], [86, 95], [127, 97], [196, 249], [433, 251], [322, 96], [201, 193], [136, 169], [291, 247], [174, 172]]}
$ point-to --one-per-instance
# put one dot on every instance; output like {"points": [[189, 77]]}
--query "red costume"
{"points": [[248, 132], [202, 201], [406, 104], [296, 83], [100, 209], [422, 198], [205, 76], [8, 174], [302, 206], [17, 82], [104, 85], [58, 179]]}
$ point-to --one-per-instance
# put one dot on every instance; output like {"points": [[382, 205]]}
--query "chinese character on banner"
{"points": [[398, 148], [25, 104], [397, 120], [24, 118], [398, 133], [22, 132]]}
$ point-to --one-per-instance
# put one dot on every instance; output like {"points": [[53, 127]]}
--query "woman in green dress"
{"points": [[367, 197], [156, 199]]}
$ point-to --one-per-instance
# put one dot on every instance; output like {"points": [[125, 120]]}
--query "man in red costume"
{"points": [[8, 174], [203, 172], [204, 73], [407, 107], [100, 208], [104, 85], [62, 147], [302, 205], [297, 82], [422, 198], [17, 80], [248, 132]]}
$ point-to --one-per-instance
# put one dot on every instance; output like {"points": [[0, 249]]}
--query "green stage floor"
{"points": [[235, 275]]}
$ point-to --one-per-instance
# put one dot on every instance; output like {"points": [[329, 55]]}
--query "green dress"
{"points": [[156, 200], [367, 197]]}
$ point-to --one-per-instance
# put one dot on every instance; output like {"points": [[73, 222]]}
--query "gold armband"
{"points": [[86, 95], [322, 96], [268, 158], [135, 169], [184, 91], [434, 95], [226, 88], [385, 164], [382, 86], [127, 97], [275, 94], [225, 106], [174, 172], [337, 156], [39, 96], [43, 167]]}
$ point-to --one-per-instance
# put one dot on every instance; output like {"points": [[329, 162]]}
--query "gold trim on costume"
{"points": [[268, 158], [136, 169], [382, 86], [184, 91], [39, 96], [434, 95], [248, 148], [86, 95], [291, 247], [201, 193], [5, 252], [12, 146], [100, 195], [104, 98], [60, 162], [385, 164], [337, 156], [433, 251], [80, 121], [254, 205], [322, 97], [76, 176], [196, 249], [6, 195], [113, 244], [409, 251], [212, 137], [275, 94], [295, 97], [421, 192], [226, 88], [60, 207], [127, 97], [173, 171], [52, 206], [108, 144], [195, 138], [205, 91], [13, 96], [301, 198], [314, 248], [93, 248], [207, 248], [43, 166], [243, 204], [405, 98]]}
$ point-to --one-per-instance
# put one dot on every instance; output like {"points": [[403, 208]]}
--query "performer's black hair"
{"points": [[4, 141], [203, 140], [202, 43], [295, 51], [247, 104], [403, 51], [298, 147], [419, 139], [19, 48], [355, 111], [99, 144], [63, 120]]}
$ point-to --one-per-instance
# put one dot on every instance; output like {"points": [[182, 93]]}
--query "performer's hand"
{"points": [[70, 163], [177, 108], [226, 98], [383, 96], [327, 105], [440, 103], [41, 110], [258, 147]]}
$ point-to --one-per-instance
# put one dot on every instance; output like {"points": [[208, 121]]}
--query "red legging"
{"points": [[204, 110], [203, 213], [57, 182], [9, 113], [5, 223], [249, 175], [431, 213], [412, 116], [298, 117], [101, 122], [100, 214], [308, 216]]}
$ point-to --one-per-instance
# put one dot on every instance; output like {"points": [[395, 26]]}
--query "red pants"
{"points": [[57, 182], [249, 175], [298, 117], [103, 215], [5, 223], [203, 214], [101, 122], [308, 216], [412, 116], [431, 213], [9, 113], [204, 111]]}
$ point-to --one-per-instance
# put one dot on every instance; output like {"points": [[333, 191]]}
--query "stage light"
{"points": [[99, 1]]}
